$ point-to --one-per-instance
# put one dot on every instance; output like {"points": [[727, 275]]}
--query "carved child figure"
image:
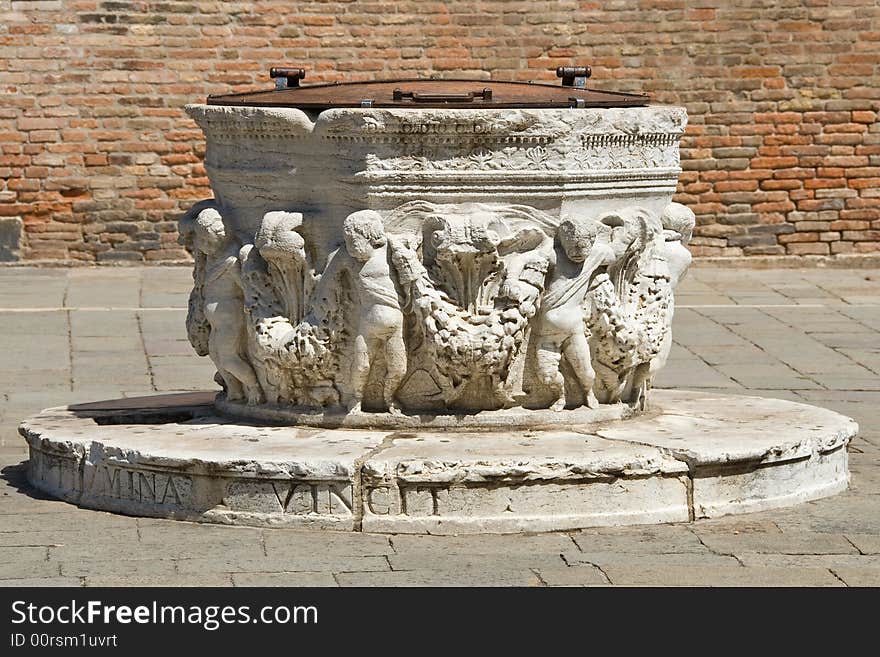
{"points": [[585, 248], [222, 302], [380, 319]]}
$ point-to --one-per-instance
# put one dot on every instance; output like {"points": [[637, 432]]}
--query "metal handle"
{"points": [[400, 94], [574, 76], [286, 77]]}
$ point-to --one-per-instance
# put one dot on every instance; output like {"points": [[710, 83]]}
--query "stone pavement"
{"points": [[88, 334]]}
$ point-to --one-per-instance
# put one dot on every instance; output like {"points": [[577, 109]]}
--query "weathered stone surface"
{"points": [[173, 457], [479, 260]]}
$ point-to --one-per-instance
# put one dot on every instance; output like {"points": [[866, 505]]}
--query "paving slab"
{"points": [[816, 330]]}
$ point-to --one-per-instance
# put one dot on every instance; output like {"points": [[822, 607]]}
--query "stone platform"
{"points": [[173, 456]]}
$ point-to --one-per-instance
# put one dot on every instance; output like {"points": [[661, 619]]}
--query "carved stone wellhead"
{"points": [[433, 261], [454, 298]]}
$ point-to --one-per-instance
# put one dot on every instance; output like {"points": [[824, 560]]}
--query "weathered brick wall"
{"points": [[782, 155]]}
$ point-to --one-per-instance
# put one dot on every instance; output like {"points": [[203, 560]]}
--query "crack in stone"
{"points": [[839, 578], [358, 499], [857, 548], [715, 552], [538, 575]]}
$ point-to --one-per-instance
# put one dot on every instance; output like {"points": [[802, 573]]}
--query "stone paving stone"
{"points": [[858, 576], [741, 354], [10, 554], [182, 548], [34, 324], [160, 532], [167, 347], [686, 301], [572, 576], [86, 538], [28, 569], [748, 523], [41, 581], [164, 299], [283, 579], [425, 577], [488, 544], [514, 561], [305, 563], [91, 346], [659, 557], [111, 566], [868, 358], [104, 291], [869, 317], [294, 543], [842, 514], [695, 374], [767, 376], [639, 540], [103, 323], [832, 561], [157, 580], [844, 382], [787, 542], [865, 543], [690, 575], [63, 517]]}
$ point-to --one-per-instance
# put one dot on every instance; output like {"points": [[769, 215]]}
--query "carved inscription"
{"points": [[55, 471], [295, 498], [140, 485]]}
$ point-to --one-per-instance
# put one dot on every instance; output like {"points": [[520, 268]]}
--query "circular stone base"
{"points": [[693, 455]]}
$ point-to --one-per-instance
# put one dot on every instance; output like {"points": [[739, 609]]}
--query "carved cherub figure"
{"points": [[221, 301], [380, 319], [585, 247]]}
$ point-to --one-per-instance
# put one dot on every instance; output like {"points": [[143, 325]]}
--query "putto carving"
{"points": [[379, 317], [215, 323], [438, 308], [564, 323]]}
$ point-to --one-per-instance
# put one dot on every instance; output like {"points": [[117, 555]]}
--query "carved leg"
{"points": [[245, 379], [395, 365], [577, 352], [637, 384], [234, 389], [549, 357], [607, 384], [360, 371], [241, 381]]}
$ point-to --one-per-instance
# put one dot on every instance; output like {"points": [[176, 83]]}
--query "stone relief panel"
{"points": [[438, 308]]}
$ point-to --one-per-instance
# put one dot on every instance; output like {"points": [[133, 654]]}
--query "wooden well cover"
{"points": [[461, 94]]}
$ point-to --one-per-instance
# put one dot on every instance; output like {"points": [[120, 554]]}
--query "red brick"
{"points": [[791, 122], [808, 248]]}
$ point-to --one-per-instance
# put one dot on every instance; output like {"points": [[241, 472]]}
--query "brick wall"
{"points": [[782, 155]]}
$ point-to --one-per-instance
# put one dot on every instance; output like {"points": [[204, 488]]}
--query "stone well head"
{"points": [[394, 249], [461, 288]]}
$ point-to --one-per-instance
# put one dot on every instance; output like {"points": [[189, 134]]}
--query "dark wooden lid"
{"points": [[422, 93]]}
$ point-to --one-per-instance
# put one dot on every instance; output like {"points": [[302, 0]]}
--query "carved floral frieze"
{"points": [[438, 307]]}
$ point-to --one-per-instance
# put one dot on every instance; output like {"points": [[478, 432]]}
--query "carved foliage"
{"points": [[447, 299]]}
